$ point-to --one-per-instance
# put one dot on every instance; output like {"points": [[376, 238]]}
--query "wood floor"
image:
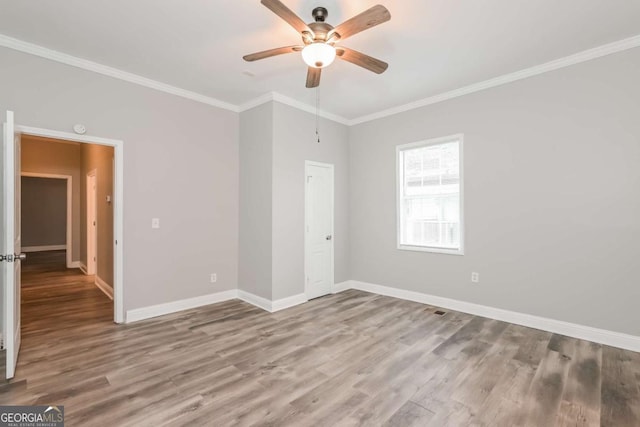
{"points": [[348, 359]]}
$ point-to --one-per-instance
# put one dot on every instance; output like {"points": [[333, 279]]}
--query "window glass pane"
{"points": [[430, 196]]}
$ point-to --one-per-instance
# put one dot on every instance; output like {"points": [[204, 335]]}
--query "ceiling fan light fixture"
{"points": [[318, 54]]}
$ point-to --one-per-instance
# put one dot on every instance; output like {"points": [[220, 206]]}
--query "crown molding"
{"points": [[308, 108], [255, 102], [277, 97], [74, 61], [587, 55]]}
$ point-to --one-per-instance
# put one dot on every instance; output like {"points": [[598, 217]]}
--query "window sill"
{"points": [[445, 251]]}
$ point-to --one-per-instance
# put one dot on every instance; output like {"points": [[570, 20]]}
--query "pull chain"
{"points": [[318, 114]]}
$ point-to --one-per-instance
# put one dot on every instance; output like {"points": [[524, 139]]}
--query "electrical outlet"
{"points": [[475, 277], [155, 222], [214, 278]]}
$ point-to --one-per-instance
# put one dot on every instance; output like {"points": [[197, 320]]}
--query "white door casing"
{"points": [[319, 238], [11, 243], [118, 204], [92, 223]]}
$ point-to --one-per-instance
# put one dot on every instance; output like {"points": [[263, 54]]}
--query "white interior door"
{"points": [[11, 243], [319, 229], [92, 220]]}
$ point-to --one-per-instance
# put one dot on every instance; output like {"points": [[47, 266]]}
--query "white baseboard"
{"points": [[75, 264], [186, 304], [104, 287], [602, 336], [82, 267], [281, 304], [44, 248], [271, 306], [256, 300], [342, 286], [175, 306]]}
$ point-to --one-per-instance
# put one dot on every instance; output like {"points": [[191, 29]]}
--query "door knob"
{"points": [[20, 257], [329, 237]]}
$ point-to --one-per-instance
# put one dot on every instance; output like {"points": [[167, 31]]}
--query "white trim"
{"points": [[74, 61], [180, 305], [602, 336], [106, 288], [342, 286], [256, 102], [44, 248], [282, 99], [331, 168], [186, 304], [256, 300], [308, 108], [91, 198], [283, 303], [118, 198], [577, 58], [459, 138], [83, 267], [587, 55], [69, 243], [76, 264]]}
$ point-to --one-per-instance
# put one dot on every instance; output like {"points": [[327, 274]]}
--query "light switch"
{"points": [[155, 222]]}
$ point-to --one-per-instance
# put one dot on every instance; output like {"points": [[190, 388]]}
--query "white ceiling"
{"points": [[432, 46]]}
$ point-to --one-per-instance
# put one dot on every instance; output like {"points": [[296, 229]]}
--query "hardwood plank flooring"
{"points": [[350, 359]]}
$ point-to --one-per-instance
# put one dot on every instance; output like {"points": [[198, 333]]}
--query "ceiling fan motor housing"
{"points": [[320, 14]]}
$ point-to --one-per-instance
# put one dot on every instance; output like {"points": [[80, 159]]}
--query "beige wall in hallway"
{"points": [[100, 159], [44, 211], [41, 155]]}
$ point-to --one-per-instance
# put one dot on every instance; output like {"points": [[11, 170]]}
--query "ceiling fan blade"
{"points": [[277, 7], [313, 77], [272, 52], [364, 61], [367, 19]]}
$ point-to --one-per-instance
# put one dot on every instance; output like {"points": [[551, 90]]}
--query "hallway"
{"points": [[56, 300]]}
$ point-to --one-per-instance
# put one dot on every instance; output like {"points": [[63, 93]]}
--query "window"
{"points": [[430, 196]]}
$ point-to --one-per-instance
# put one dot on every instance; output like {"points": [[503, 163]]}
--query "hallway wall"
{"points": [[44, 212], [100, 159], [40, 155]]}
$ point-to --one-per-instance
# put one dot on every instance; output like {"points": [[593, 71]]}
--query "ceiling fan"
{"points": [[319, 39]]}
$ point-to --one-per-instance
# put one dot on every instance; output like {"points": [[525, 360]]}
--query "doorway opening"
{"points": [[46, 210], [52, 218], [52, 268]]}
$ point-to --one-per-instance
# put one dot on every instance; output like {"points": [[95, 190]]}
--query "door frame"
{"points": [[118, 200], [69, 179], [331, 168], [91, 196]]}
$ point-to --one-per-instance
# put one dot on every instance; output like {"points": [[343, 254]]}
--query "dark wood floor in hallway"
{"points": [[348, 359]]}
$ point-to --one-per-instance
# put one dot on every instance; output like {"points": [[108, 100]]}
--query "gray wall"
{"points": [[101, 159], [275, 141], [552, 198], [180, 165], [42, 155], [294, 142], [256, 169], [44, 211]]}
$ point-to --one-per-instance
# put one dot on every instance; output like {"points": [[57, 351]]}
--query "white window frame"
{"points": [[399, 188]]}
